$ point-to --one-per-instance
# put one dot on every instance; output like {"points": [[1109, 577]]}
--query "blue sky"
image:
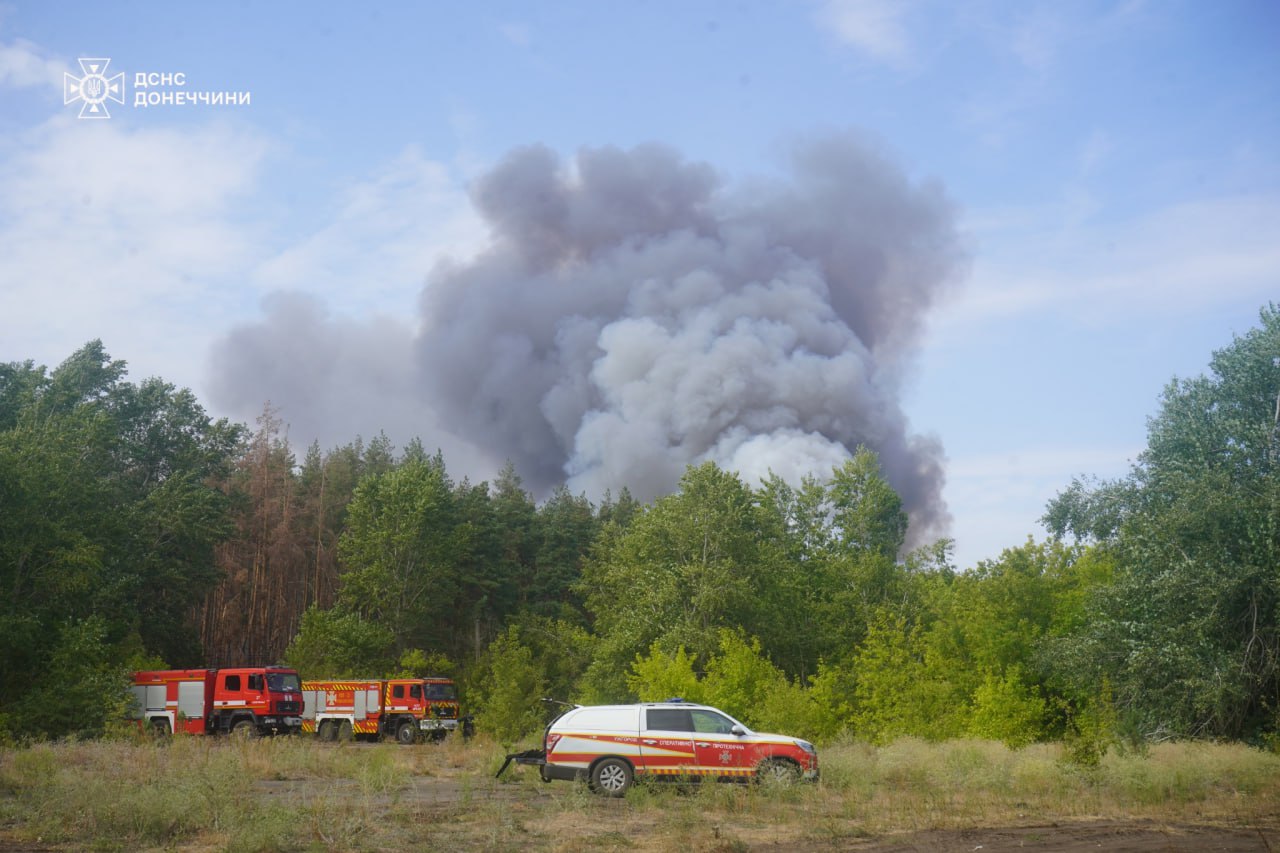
{"points": [[1113, 168]]}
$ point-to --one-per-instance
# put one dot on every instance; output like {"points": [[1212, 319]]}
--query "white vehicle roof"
{"points": [[624, 717]]}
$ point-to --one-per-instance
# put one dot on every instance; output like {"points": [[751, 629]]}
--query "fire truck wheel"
{"points": [[777, 771], [159, 729], [611, 777], [406, 732], [243, 729], [346, 733]]}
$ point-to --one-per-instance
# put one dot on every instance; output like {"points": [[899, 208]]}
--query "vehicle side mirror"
{"points": [[738, 730]]}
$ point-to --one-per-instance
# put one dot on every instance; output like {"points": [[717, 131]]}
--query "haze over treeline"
{"points": [[137, 531]]}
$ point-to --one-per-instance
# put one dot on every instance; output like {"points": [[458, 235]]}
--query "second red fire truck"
{"points": [[401, 708]]}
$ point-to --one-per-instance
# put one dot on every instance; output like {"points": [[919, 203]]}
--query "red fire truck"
{"points": [[403, 708], [260, 700]]}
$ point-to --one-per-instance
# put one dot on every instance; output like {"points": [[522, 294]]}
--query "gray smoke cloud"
{"points": [[635, 313]]}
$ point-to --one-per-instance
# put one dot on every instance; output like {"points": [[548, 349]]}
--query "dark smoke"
{"points": [[634, 314]]}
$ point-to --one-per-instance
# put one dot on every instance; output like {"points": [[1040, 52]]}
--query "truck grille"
{"points": [[289, 707], [445, 711]]}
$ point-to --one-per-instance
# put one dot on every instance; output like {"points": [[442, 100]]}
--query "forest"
{"points": [[138, 532]]}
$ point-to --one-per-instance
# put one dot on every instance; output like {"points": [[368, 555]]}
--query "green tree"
{"points": [[110, 510], [337, 644], [509, 688], [903, 686], [685, 568], [401, 550], [1187, 636], [566, 527]]}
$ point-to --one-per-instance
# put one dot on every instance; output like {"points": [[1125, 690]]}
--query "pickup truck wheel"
{"points": [[777, 771], [611, 777], [406, 732]]}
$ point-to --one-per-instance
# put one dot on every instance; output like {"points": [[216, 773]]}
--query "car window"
{"points": [[668, 720], [711, 722]]}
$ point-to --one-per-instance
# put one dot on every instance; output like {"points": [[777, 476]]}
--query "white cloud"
{"points": [[151, 239], [1065, 259], [23, 65], [121, 233], [516, 33], [382, 238], [875, 27]]}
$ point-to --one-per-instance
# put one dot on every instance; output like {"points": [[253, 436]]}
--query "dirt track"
{"points": [[1131, 836], [445, 795]]}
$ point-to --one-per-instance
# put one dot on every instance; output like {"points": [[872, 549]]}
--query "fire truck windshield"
{"points": [[440, 691], [279, 682]]}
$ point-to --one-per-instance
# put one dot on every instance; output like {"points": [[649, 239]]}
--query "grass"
{"points": [[296, 794]]}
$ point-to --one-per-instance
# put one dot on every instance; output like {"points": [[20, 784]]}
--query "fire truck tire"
{"points": [[406, 732], [244, 728], [346, 732], [777, 771], [160, 729], [611, 777]]}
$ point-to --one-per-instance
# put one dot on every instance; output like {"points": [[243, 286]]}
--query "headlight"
{"points": [[807, 747]]}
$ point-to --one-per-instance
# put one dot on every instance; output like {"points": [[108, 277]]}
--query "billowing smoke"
{"points": [[634, 313]]}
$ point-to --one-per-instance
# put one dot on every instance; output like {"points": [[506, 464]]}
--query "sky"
{"points": [[604, 241]]}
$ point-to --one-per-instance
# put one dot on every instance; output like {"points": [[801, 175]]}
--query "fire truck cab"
{"points": [[244, 700]]}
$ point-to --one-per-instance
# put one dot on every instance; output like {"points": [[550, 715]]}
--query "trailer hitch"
{"points": [[535, 757]]}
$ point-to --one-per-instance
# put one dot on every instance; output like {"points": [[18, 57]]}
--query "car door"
{"points": [[717, 750], [666, 742]]}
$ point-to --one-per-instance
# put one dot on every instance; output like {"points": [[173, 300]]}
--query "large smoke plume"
{"points": [[634, 314]]}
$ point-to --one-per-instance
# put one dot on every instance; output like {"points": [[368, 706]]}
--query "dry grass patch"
{"points": [[298, 794]]}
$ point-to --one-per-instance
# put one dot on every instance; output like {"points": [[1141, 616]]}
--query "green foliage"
{"points": [[902, 686], [401, 547], [337, 644], [417, 663], [1093, 728], [1007, 709], [509, 691], [830, 710], [1189, 632], [741, 680], [110, 510], [659, 676], [82, 689]]}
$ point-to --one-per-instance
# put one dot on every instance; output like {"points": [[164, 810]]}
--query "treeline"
{"points": [[136, 531]]}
